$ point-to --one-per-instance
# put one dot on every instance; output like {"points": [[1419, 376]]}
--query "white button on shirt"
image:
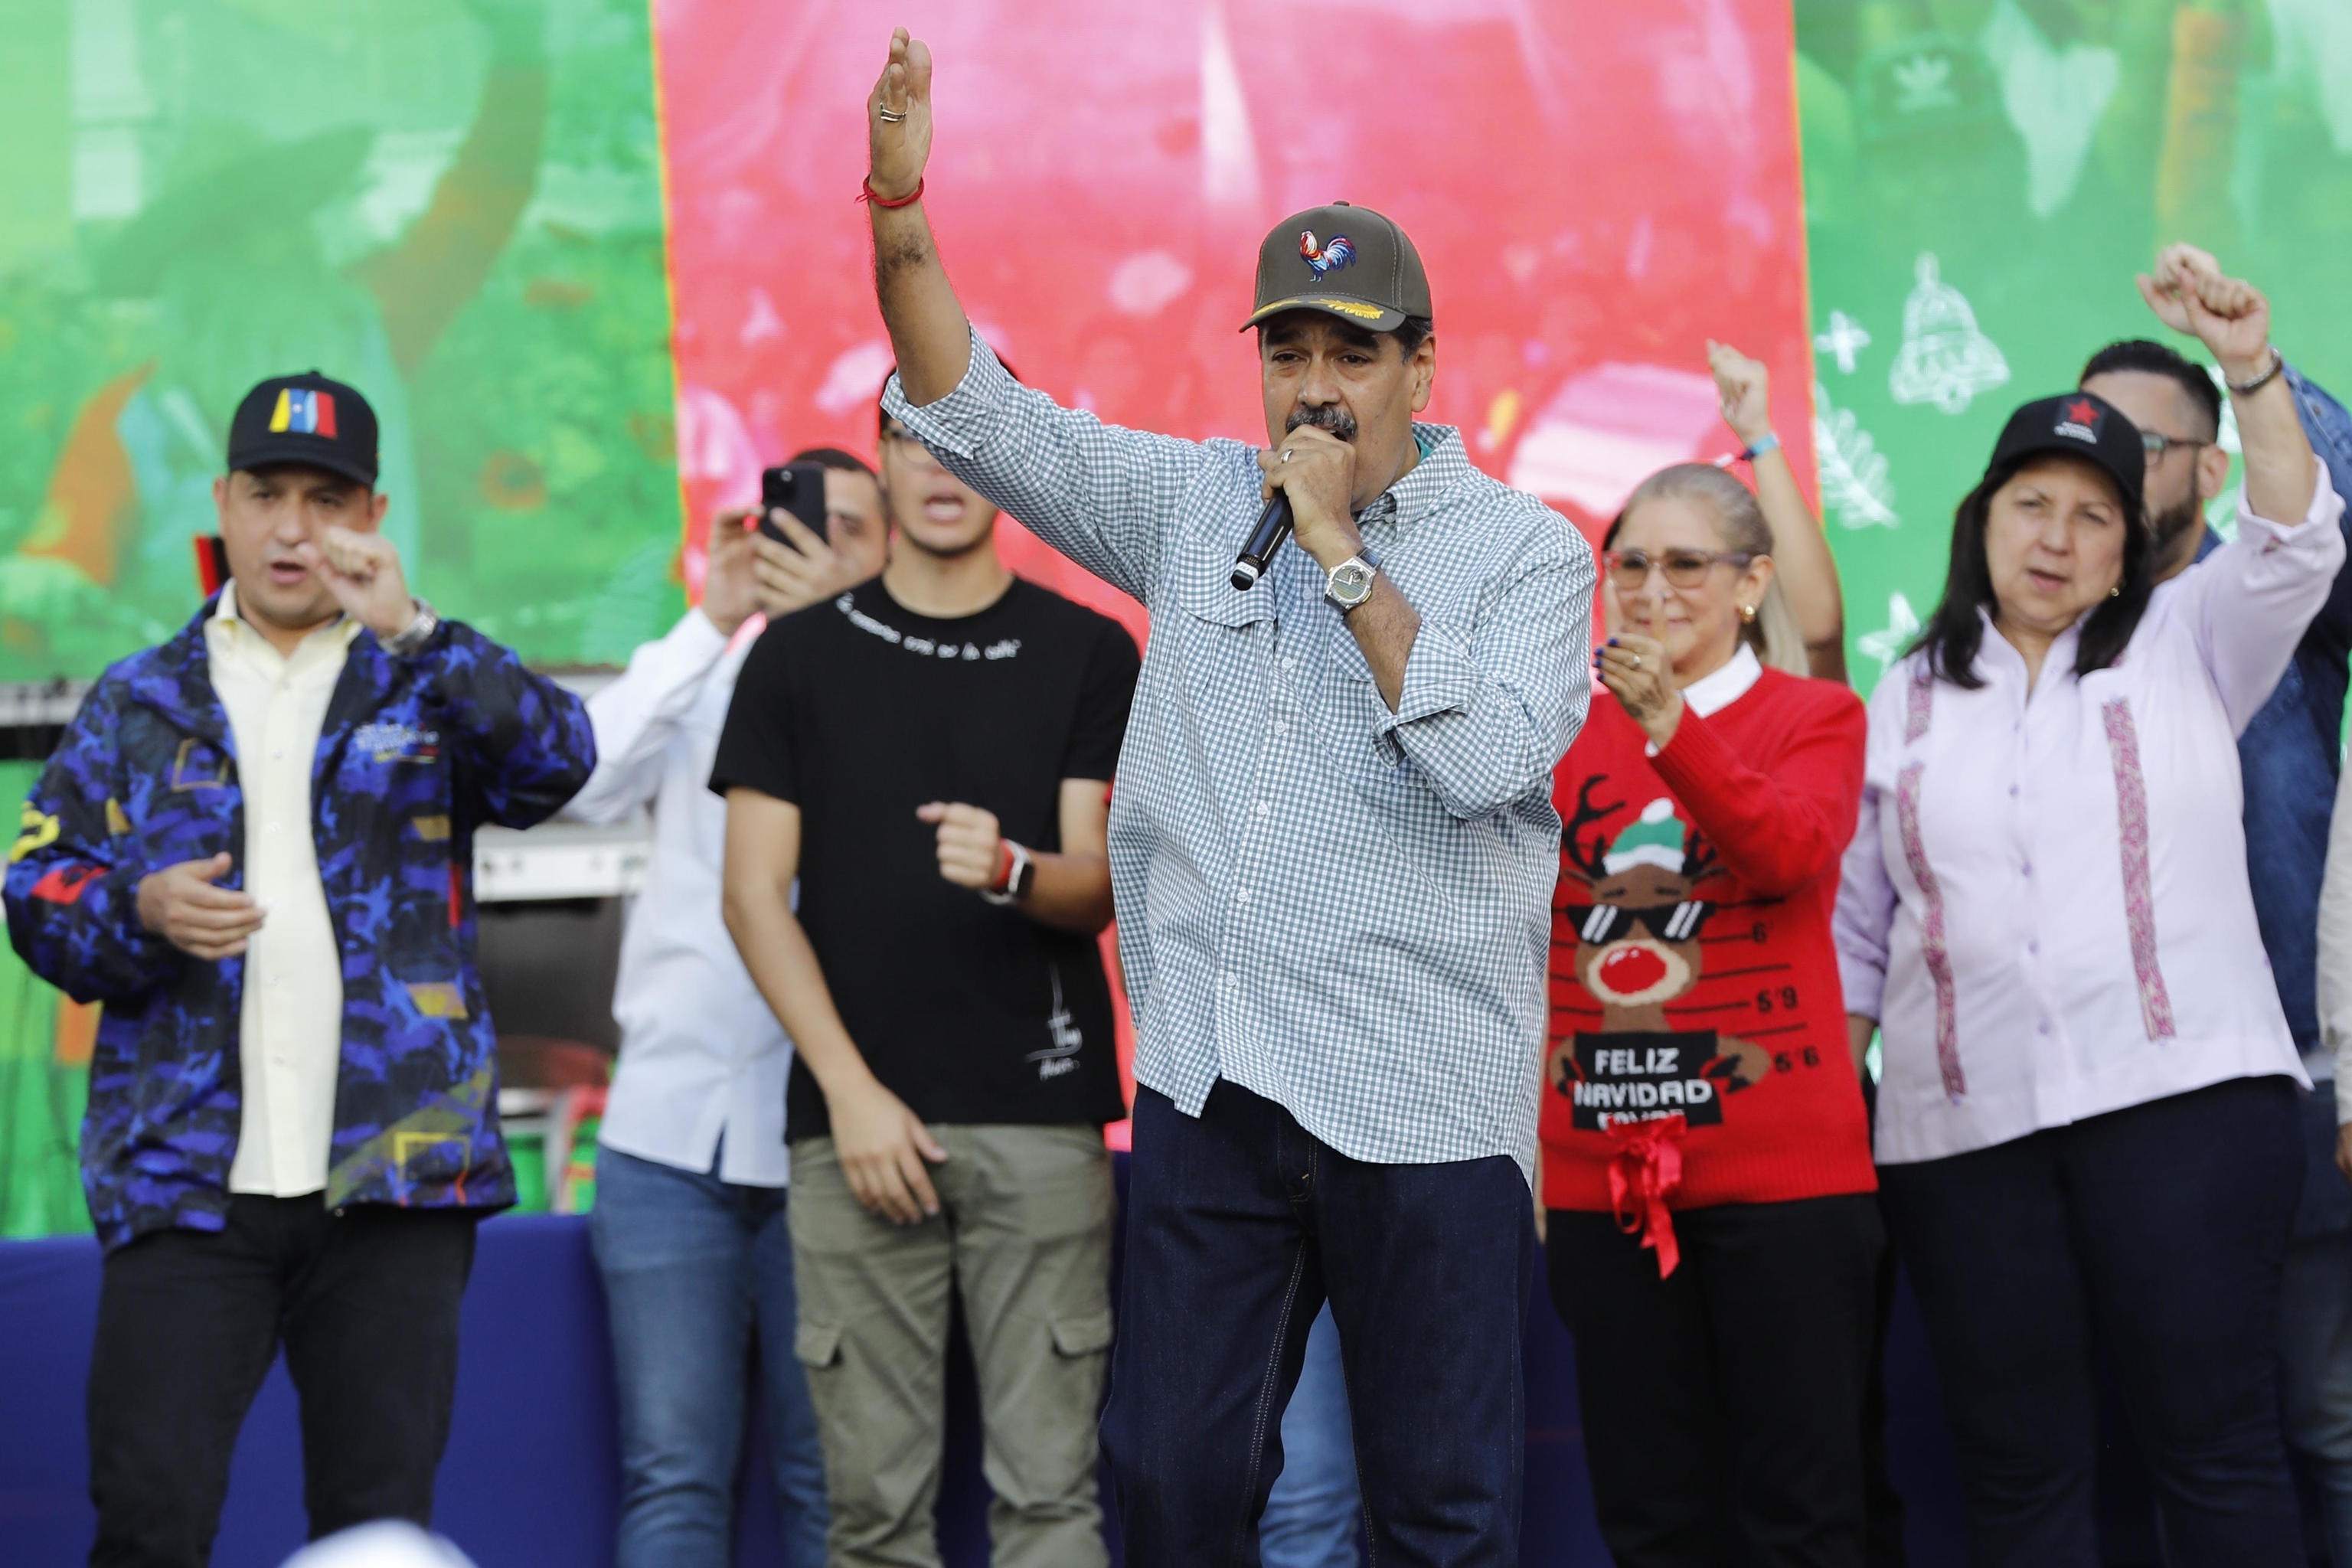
{"points": [[291, 1018], [702, 1057], [2046, 903]]}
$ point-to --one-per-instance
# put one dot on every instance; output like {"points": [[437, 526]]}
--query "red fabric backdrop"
{"points": [[1596, 189]]}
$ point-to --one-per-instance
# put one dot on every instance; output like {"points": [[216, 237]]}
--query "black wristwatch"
{"points": [[1017, 881]]}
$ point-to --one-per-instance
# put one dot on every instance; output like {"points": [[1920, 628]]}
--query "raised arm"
{"points": [[1782, 829], [2190, 294], [2249, 603], [929, 330], [1801, 548], [1101, 495], [638, 716], [523, 743]]}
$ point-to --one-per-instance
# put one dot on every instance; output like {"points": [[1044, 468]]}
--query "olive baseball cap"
{"points": [[1349, 262]]}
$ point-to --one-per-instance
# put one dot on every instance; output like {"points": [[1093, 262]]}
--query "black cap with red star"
{"points": [[2076, 424]]}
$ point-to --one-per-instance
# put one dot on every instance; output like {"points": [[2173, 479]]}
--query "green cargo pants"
{"points": [[1024, 1237]]}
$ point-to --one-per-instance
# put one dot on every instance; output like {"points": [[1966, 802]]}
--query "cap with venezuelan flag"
{"points": [[308, 419]]}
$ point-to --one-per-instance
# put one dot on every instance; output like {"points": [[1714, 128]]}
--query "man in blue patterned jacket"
{"points": [[254, 846]]}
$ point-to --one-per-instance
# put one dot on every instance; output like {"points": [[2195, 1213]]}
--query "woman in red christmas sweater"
{"points": [[1712, 1234]]}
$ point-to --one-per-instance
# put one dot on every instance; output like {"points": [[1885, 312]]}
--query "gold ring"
{"points": [[1636, 660]]}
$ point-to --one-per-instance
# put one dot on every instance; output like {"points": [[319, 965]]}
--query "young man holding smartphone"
{"points": [[929, 756]]}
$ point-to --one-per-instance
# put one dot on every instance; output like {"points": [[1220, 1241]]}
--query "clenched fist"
{"points": [[2191, 294], [971, 846], [1743, 388], [363, 571]]}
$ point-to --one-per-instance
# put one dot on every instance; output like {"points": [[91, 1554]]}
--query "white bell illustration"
{"points": [[1943, 359]]}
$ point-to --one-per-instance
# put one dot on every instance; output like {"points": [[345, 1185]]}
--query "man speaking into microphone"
{"points": [[1333, 851]]}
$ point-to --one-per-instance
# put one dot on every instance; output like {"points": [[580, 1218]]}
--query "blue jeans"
{"points": [[697, 1273], [1240, 1225], [2155, 1234], [2315, 1323], [1310, 1519]]}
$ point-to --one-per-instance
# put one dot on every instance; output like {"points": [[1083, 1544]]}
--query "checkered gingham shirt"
{"points": [[1345, 910]]}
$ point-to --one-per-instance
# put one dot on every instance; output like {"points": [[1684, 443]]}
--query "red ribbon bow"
{"points": [[1644, 1172]]}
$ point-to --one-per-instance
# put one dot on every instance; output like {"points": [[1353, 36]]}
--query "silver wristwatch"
{"points": [[1350, 582], [412, 638]]}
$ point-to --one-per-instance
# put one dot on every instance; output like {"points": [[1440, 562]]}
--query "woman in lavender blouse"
{"points": [[2087, 1134]]}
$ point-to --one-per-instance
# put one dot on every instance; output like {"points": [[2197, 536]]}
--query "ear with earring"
{"points": [[1748, 613]]}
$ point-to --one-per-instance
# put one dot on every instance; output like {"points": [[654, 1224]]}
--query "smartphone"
{"points": [[795, 487]]}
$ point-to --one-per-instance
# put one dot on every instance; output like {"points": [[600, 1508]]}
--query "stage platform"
{"points": [[531, 1476]]}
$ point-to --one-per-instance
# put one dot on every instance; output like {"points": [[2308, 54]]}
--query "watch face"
{"points": [[1352, 580]]}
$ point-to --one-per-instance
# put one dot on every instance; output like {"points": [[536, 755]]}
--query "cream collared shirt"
{"points": [[290, 1023]]}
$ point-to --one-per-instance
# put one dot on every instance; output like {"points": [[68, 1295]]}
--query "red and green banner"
{"points": [[596, 262]]}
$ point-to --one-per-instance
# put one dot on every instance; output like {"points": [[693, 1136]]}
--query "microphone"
{"points": [[1273, 527]]}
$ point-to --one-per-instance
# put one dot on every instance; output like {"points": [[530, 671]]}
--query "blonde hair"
{"points": [[1774, 634]]}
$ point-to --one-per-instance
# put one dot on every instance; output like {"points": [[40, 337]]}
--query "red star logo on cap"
{"points": [[2082, 411]]}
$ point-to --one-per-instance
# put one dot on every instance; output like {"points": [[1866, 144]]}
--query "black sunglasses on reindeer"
{"points": [[1601, 925], [1684, 568]]}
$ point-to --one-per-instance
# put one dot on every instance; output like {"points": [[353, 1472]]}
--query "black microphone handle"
{"points": [[1273, 527]]}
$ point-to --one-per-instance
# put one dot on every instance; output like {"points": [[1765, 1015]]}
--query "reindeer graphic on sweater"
{"points": [[1638, 949]]}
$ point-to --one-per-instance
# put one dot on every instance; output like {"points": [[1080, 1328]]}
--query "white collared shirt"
{"points": [[2046, 903], [702, 1054], [290, 1019]]}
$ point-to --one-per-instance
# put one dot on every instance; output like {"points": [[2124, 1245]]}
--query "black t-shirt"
{"points": [[859, 710]]}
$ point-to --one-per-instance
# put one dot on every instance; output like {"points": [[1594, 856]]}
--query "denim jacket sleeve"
{"points": [[2329, 428], [72, 893], [523, 745]]}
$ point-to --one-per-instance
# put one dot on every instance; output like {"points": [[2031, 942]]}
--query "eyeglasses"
{"points": [[1684, 568], [2158, 445], [1601, 925]]}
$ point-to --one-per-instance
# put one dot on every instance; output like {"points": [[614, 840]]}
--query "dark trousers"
{"points": [[1723, 1404], [1885, 1546], [1239, 1226], [2153, 1235], [188, 1321]]}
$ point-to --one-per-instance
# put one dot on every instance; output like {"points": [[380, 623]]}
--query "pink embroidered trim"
{"points": [[1933, 947], [1918, 703], [2140, 900]]}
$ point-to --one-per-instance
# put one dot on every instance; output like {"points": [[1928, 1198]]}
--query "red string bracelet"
{"points": [[1003, 866], [868, 193]]}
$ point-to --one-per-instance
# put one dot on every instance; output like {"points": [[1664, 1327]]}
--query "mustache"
{"points": [[1330, 417]]}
